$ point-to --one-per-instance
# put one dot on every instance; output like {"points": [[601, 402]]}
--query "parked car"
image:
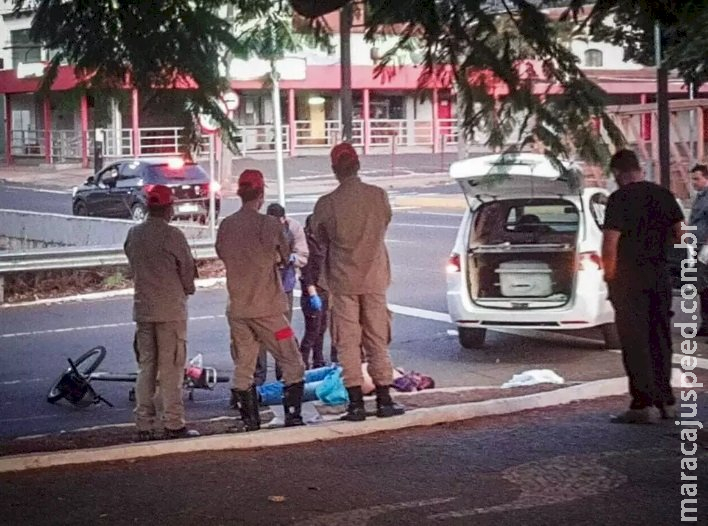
{"points": [[528, 251], [119, 189]]}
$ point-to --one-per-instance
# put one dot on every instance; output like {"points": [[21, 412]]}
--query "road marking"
{"points": [[422, 225], [31, 380], [443, 214], [41, 190], [420, 313], [66, 329], [105, 326]]}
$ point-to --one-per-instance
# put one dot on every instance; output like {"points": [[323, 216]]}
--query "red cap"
{"points": [[159, 195], [344, 156], [251, 179]]}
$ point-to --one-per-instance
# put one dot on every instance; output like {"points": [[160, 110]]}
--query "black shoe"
{"points": [[385, 406], [248, 407], [182, 432], [145, 436], [292, 404], [356, 412], [233, 403]]}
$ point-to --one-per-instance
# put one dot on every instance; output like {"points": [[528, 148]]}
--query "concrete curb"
{"points": [[319, 432], [206, 283], [456, 202]]}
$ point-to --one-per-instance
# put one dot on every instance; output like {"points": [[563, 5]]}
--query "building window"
{"points": [[23, 49], [593, 58]]}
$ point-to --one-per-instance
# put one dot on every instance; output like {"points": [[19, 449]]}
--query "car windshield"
{"points": [[165, 174]]}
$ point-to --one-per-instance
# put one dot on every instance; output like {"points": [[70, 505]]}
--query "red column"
{"points": [[135, 123], [292, 126], [645, 125], [8, 129], [84, 132], [366, 115], [436, 122], [47, 130]]}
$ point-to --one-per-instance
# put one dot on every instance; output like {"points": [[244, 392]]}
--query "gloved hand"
{"points": [[315, 302], [292, 259]]}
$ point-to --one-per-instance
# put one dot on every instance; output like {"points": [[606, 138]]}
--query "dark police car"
{"points": [[119, 189]]}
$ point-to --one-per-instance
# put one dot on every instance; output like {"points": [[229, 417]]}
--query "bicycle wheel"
{"points": [[85, 365]]}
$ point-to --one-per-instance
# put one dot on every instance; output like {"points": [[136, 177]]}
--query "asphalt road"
{"points": [[561, 466], [36, 340], [305, 178]]}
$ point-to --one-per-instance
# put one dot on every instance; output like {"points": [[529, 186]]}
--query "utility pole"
{"points": [[346, 20], [662, 100]]}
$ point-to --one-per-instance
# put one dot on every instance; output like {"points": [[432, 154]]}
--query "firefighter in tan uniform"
{"points": [[350, 223], [253, 246], [164, 271]]}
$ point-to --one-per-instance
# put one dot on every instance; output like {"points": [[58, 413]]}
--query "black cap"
{"points": [[275, 210]]}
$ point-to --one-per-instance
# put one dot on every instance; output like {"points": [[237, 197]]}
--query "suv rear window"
{"points": [[514, 220], [164, 174], [545, 218]]}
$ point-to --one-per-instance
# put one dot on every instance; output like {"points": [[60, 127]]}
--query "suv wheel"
{"points": [[138, 213], [471, 338], [80, 209], [611, 337]]}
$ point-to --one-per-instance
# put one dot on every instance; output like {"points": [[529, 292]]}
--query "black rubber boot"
{"points": [[234, 399], [248, 406], [385, 406], [292, 404], [356, 412]]}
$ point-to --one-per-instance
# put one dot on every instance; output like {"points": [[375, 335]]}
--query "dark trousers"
{"points": [[643, 319], [315, 329], [704, 313], [261, 372]]}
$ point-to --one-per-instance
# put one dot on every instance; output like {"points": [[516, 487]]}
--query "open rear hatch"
{"points": [[515, 175], [522, 248]]}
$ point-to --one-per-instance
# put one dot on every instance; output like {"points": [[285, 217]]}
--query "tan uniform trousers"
{"points": [[247, 336], [359, 322], [161, 350]]}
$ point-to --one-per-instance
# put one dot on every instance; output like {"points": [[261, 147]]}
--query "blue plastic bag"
{"points": [[331, 390]]}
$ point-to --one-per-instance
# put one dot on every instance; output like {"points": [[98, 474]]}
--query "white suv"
{"points": [[527, 253]]}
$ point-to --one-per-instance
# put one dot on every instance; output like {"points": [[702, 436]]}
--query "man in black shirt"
{"points": [[642, 221]]}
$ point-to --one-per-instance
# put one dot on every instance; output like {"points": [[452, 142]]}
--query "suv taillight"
{"points": [[453, 263], [589, 261]]}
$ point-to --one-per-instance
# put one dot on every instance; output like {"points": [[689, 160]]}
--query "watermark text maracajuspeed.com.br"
{"points": [[687, 417]]}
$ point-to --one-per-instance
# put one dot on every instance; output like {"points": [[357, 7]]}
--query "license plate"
{"points": [[188, 208]]}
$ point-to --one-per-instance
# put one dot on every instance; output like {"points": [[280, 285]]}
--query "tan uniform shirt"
{"points": [[350, 224], [163, 270], [252, 245], [300, 248]]}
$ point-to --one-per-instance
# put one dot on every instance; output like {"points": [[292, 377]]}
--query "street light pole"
{"points": [[277, 123], [346, 19], [662, 99]]}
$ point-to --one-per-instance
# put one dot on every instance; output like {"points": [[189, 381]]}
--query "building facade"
{"points": [[391, 111]]}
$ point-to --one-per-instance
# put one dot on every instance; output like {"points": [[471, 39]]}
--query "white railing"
{"points": [[261, 138], [27, 143], [448, 132], [385, 132], [116, 143], [160, 141], [325, 134], [66, 144]]}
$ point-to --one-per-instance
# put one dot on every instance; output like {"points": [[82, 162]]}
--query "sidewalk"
{"points": [[425, 408]]}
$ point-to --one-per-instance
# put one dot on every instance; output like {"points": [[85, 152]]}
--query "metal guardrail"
{"points": [[77, 258]]}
